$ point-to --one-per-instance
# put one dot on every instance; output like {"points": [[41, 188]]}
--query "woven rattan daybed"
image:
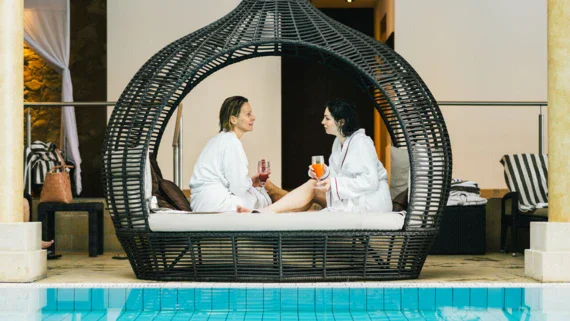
{"points": [[259, 28]]}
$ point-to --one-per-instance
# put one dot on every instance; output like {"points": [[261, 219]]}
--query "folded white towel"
{"points": [[465, 199]]}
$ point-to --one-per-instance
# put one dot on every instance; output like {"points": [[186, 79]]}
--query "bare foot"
{"points": [[45, 245], [242, 210]]}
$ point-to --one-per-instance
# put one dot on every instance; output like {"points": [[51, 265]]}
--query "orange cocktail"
{"points": [[319, 169], [318, 164]]}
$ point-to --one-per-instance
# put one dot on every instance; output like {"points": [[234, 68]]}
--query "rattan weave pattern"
{"points": [[259, 28]]}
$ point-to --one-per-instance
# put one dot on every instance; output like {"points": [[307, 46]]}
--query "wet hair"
{"points": [[230, 107], [342, 109]]}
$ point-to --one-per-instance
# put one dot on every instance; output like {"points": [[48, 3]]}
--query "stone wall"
{"points": [[42, 83]]}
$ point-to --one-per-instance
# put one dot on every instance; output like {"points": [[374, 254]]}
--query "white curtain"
{"points": [[46, 30]]}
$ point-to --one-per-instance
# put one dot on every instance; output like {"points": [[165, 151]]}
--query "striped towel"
{"points": [[528, 175], [457, 184], [40, 158]]}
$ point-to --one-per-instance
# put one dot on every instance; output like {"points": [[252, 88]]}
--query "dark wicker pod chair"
{"points": [[258, 28]]}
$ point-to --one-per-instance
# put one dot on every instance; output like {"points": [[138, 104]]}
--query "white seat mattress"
{"points": [[305, 221]]}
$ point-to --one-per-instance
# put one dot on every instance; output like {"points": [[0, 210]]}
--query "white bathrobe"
{"points": [[359, 181], [220, 181]]}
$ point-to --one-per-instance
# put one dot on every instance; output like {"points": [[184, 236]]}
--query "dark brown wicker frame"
{"points": [[259, 28]]}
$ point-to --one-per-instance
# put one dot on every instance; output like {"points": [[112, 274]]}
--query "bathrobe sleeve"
{"points": [[236, 168], [359, 171]]}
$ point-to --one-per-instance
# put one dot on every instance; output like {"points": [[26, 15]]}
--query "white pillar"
{"points": [[21, 257], [548, 258]]}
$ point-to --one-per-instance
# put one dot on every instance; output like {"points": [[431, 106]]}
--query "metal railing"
{"points": [[176, 143], [177, 149], [539, 104]]}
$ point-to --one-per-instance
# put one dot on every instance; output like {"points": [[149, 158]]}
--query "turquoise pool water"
{"points": [[284, 304]]}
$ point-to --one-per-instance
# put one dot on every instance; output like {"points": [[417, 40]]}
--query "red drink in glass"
{"points": [[263, 169], [263, 177]]}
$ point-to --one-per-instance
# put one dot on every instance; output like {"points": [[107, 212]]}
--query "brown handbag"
{"points": [[57, 184]]}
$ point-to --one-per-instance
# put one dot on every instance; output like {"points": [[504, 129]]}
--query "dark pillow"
{"points": [[154, 165], [166, 192], [173, 195], [162, 203], [400, 202], [156, 174]]}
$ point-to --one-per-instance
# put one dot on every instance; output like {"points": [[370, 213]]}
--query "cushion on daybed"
{"points": [[128, 192], [167, 194], [400, 178], [400, 202], [399, 170], [174, 195], [304, 221]]}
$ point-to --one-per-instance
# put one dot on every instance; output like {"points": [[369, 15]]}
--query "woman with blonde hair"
{"points": [[220, 181]]}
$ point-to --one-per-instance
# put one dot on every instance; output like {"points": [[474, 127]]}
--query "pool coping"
{"points": [[286, 285]]}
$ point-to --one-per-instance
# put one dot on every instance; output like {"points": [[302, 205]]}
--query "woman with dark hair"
{"points": [[354, 181], [220, 181]]}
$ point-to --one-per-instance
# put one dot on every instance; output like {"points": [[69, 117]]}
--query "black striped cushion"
{"points": [[40, 158], [528, 175]]}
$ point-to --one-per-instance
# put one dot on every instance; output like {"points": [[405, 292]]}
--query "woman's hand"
{"points": [[312, 172], [324, 185], [256, 181]]}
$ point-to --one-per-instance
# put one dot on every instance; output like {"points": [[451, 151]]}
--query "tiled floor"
{"points": [[75, 268]]}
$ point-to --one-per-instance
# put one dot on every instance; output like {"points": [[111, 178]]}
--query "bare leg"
{"points": [[26, 210], [320, 198], [275, 193], [45, 245], [297, 200]]}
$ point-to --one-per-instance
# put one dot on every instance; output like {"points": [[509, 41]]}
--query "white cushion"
{"points": [[400, 170], [304, 221]]}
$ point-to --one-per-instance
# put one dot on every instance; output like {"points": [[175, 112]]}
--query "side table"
{"points": [[46, 215]]}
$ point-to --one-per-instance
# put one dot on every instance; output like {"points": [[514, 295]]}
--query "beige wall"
{"points": [[480, 50], [139, 28], [464, 50]]}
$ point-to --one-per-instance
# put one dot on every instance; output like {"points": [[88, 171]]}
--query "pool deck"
{"points": [[495, 269]]}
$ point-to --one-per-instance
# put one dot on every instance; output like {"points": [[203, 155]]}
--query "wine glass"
{"points": [[263, 169], [318, 164]]}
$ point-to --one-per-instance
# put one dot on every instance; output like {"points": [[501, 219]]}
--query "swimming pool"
{"points": [[279, 303]]}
